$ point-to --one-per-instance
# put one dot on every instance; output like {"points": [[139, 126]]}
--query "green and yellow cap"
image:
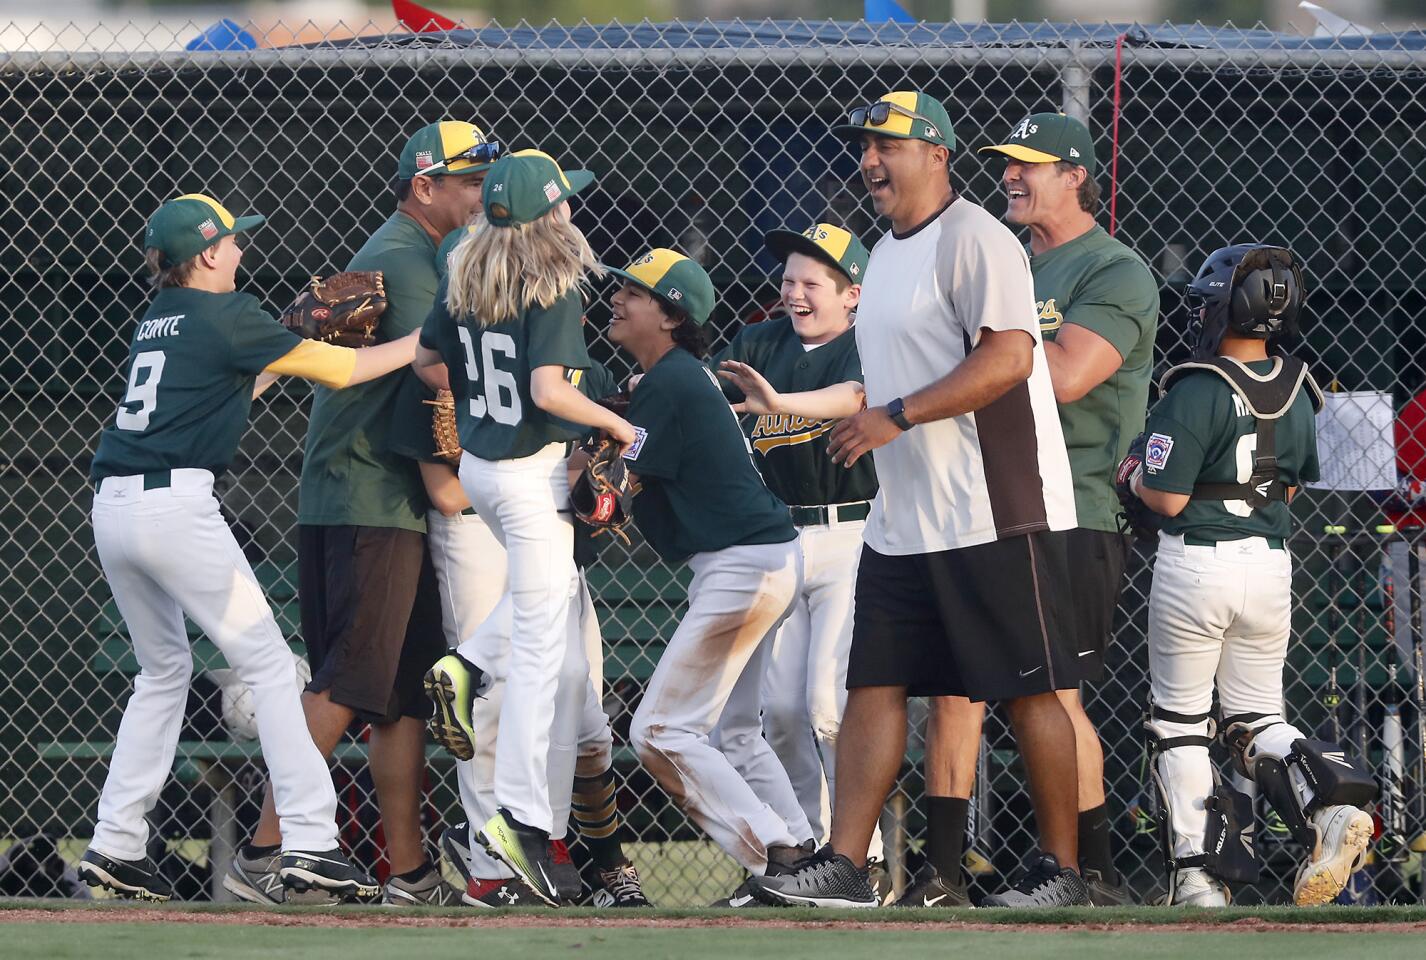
{"points": [[1046, 138], [526, 185], [673, 278], [445, 146], [910, 115], [826, 242], [186, 226], [448, 247]]}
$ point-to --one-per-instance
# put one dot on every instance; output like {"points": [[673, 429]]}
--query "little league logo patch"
{"points": [[209, 229], [1156, 452], [640, 435], [552, 191], [424, 159]]}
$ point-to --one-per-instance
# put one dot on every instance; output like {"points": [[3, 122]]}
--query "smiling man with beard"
{"points": [[960, 585]]}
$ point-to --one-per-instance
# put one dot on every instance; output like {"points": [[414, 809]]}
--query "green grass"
{"points": [[119, 940]]}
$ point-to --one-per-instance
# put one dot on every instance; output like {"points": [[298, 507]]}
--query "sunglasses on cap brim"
{"points": [[487, 151], [876, 114]]}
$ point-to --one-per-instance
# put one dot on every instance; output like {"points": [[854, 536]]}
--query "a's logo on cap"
{"points": [[674, 293], [208, 228], [552, 191], [424, 159], [1024, 130], [646, 258], [815, 232]]}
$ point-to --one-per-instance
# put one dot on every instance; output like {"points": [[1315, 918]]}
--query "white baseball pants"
{"points": [[710, 676], [167, 552]]}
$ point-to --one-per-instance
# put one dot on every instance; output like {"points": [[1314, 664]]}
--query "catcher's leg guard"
{"points": [[1186, 779]]}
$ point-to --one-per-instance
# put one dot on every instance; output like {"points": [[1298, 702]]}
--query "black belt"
{"points": [[157, 480], [1189, 540], [845, 513]]}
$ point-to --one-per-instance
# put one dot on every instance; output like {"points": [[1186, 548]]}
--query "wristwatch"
{"points": [[896, 410]]}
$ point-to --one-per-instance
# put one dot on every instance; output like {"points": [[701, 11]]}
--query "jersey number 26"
{"points": [[497, 393]]}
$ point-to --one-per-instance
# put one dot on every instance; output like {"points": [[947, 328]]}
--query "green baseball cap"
{"points": [[826, 242], [448, 147], [908, 115], [527, 184], [1046, 138], [448, 247], [673, 278], [186, 226]]}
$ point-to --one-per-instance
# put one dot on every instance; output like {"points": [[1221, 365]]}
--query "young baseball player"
{"points": [[470, 569], [167, 552], [508, 318], [813, 346], [1222, 455], [701, 499]]}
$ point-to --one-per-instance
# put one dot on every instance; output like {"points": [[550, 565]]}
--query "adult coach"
{"points": [[371, 612], [957, 589], [1098, 305]]}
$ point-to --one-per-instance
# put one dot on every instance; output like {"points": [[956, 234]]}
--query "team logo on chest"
{"points": [[1050, 317], [781, 430]]}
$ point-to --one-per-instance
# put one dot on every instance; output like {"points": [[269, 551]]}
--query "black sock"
{"points": [[946, 835], [411, 876], [595, 811], [252, 851], [1094, 843]]}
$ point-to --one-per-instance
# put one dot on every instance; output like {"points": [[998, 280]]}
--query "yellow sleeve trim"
{"points": [[326, 363]]}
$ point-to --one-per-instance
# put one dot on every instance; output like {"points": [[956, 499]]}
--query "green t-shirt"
{"points": [[189, 386], [1200, 432], [701, 490], [350, 473], [1100, 284], [791, 452], [490, 371]]}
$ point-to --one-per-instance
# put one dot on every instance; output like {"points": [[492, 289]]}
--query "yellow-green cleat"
{"points": [[451, 686], [524, 850]]}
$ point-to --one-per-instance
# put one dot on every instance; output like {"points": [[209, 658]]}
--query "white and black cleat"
{"points": [[825, 879], [130, 879], [324, 877], [1044, 884], [931, 890], [255, 879]]}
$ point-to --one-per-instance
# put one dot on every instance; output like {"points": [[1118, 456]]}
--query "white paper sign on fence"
{"points": [[1354, 441]]}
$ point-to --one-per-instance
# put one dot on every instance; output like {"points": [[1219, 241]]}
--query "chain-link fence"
{"points": [[704, 137]]}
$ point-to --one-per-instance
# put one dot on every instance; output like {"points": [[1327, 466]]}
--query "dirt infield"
{"points": [[1140, 920]]}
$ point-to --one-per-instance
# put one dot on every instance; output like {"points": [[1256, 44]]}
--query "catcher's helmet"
{"points": [[1253, 289]]}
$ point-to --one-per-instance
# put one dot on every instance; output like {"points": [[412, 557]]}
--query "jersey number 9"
{"points": [[144, 375]]}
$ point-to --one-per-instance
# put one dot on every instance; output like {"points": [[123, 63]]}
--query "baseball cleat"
{"points": [[324, 876], [931, 890], [431, 890], [1043, 884], [1102, 893], [451, 688], [1194, 887], [524, 850], [1343, 835], [455, 850], [741, 897], [130, 879], [825, 879], [565, 874], [508, 892], [620, 887], [255, 879]]}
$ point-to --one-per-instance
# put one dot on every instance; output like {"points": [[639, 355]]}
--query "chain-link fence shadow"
{"points": [[703, 136]]}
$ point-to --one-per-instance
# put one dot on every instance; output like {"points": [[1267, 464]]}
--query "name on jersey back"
{"points": [[159, 327]]}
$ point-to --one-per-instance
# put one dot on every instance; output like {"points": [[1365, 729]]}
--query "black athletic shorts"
{"points": [[371, 617], [983, 622], [1096, 578]]}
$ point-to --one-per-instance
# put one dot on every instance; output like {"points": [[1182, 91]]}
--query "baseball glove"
{"points": [[1135, 516], [342, 309], [443, 427], [600, 495]]}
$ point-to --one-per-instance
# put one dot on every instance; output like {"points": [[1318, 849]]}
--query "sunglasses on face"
{"points": [[487, 151], [876, 114]]}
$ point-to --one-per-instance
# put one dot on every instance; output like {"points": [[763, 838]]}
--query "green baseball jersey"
{"points": [[1200, 432], [791, 452], [192, 363], [1098, 283], [350, 473], [701, 490], [490, 371]]}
